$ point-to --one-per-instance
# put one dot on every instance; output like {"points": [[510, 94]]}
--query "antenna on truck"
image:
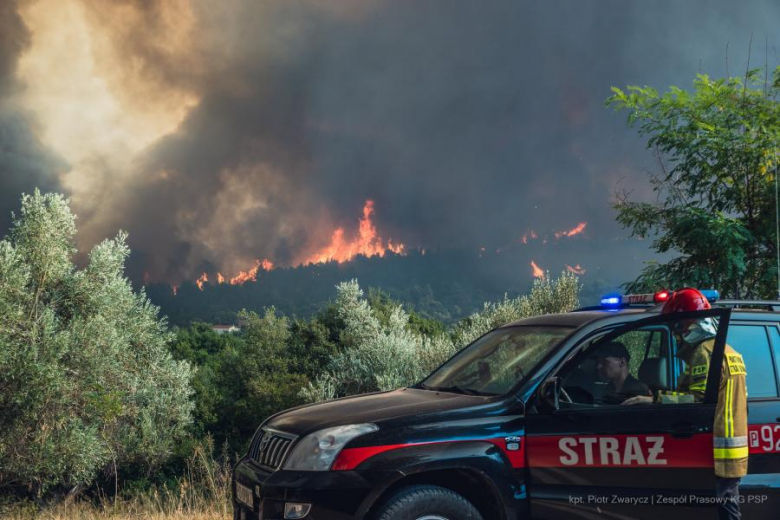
{"points": [[777, 221]]}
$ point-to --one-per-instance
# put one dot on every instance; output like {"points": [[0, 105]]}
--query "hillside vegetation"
{"points": [[106, 412]]}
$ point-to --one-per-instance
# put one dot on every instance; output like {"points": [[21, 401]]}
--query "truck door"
{"points": [[759, 344], [589, 456]]}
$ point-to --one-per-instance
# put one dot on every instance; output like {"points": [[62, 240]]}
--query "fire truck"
{"points": [[519, 424]]}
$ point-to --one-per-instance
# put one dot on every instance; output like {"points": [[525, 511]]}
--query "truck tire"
{"points": [[427, 503]]}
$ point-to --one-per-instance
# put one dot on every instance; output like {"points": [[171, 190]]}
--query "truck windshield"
{"points": [[496, 362]]}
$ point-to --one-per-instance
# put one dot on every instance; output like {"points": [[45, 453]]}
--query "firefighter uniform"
{"points": [[730, 441], [730, 446]]}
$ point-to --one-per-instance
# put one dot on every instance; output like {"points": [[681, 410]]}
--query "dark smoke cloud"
{"points": [[24, 162], [467, 122]]}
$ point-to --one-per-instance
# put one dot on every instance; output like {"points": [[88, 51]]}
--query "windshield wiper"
{"points": [[455, 389]]}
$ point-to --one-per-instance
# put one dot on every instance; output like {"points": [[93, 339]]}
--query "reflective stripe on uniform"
{"points": [[731, 453], [730, 442], [727, 417]]}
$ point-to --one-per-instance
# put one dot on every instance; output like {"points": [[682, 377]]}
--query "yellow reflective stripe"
{"points": [[731, 406], [699, 386], [727, 412], [731, 453], [726, 408]]}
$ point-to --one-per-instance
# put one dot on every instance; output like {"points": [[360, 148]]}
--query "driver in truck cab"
{"points": [[730, 441], [612, 366]]}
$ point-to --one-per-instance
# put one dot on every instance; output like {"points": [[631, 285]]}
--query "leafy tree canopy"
{"points": [[718, 147], [86, 379]]}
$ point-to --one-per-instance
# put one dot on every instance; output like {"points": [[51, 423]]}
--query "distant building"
{"points": [[225, 329]]}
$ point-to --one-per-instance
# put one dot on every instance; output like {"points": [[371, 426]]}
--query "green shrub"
{"points": [[86, 378], [384, 349]]}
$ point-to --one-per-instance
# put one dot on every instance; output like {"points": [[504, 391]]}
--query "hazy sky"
{"points": [[221, 132]]}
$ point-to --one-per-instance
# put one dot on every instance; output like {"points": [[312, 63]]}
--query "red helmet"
{"points": [[686, 300]]}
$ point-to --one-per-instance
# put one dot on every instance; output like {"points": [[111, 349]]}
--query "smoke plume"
{"points": [[218, 133]]}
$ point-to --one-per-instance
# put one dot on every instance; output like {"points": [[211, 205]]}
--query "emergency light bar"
{"points": [[618, 300]]}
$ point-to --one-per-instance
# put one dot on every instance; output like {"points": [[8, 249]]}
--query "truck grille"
{"points": [[270, 447]]}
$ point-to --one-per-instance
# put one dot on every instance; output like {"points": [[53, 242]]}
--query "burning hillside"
{"points": [[366, 241]]}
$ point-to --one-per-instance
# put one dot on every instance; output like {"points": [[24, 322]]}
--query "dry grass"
{"points": [[87, 511], [202, 493]]}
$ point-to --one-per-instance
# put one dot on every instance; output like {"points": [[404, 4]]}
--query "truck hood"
{"points": [[369, 408]]}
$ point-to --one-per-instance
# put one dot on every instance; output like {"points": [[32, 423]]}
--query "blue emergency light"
{"points": [[711, 294], [611, 300]]}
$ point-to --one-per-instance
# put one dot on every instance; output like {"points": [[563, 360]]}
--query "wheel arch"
{"points": [[474, 485]]}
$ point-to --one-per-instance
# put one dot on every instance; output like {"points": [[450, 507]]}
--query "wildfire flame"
{"points": [[577, 269], [200, 281], [368, 243], [571, 232], [531, 235], [251, 275], [536, 270]]}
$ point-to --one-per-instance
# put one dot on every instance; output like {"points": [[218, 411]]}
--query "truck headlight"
{"points": [[318, 450]]}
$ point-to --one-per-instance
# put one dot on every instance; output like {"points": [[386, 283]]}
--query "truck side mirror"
{"points": [[548, 394]]}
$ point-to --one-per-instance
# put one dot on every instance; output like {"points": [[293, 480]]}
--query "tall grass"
{"points": [[202, 493]]}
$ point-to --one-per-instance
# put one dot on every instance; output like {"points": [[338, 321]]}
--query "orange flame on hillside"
{"points": [[574, 231], [536, 270], [241, 278], [368, 242], [577, 269], [529, 236], [251, 275]]}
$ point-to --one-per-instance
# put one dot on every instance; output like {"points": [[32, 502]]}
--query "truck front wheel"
{"points": [[427, 503]]}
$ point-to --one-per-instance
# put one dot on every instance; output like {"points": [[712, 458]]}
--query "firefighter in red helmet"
{"points": [[696, 342]]}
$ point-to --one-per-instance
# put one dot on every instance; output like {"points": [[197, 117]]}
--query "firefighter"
{"points": [[730, 447]]}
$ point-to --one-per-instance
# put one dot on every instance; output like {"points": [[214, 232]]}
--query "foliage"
{"points": [[383, 350], [201, 492], [718, 151], [86, 379], [547, 296], [95, 390], [243, 379]]}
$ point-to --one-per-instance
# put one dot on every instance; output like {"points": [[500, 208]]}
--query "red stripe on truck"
{"points": [[597, 451], [350, 458], [615, 451]]}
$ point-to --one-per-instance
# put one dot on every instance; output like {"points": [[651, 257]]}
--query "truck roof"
{"points": [[744, 309], [576, 318]]}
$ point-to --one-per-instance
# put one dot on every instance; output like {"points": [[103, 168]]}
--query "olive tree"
{"points": [[86, 380], [387, 354]]}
